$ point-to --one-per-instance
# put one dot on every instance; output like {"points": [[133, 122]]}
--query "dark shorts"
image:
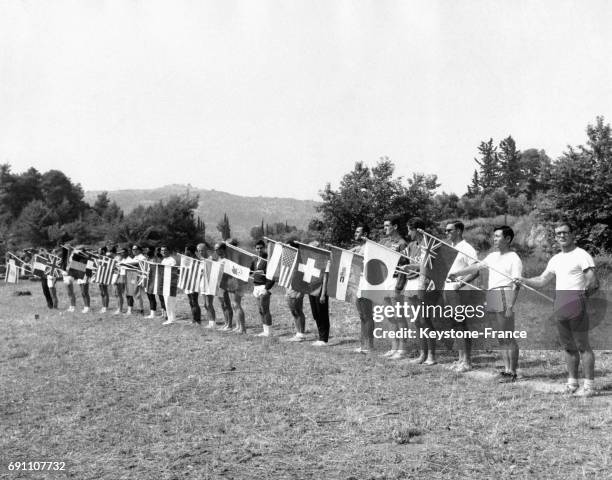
{"points": [[573, 325]]}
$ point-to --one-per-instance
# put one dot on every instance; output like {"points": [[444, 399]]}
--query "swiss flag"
{"points": [[309, 269]]}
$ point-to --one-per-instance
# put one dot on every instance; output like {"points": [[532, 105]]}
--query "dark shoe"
{"points": [[505, 377]]}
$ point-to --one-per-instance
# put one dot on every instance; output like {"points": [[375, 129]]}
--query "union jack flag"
{"points": [[436, 260]]}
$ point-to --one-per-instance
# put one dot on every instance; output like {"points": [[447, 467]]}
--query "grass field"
{"points": [[118, 397]]}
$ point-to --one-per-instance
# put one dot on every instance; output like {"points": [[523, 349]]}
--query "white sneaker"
{"points": [[361, 350], [584, 392], [211, 324], [71, 308], [319, 343], [103, 310], [129, 311], [296, 338], [151, 315], [85, 310], [168, 322], [388, 353], [117, 312], [301, 335], [266, 332], [398, 355]]}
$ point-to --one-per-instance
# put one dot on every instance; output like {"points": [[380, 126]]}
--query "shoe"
{"points": [[430, 362], [319, 343], [301, 335], [585, 392], [129, 311], [388, 353], [452, 366], [266, 332], [570, 389], [226, 328], [70, 309], [418, 361], [361, 350], [506, 377], [295, 338], [151, 315], [103, 310], [117, 312], [85, 310], [168, 322], [462, 368], [210, 324], [398, 355]]}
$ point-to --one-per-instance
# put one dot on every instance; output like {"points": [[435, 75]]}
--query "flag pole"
{"points": [[254, 255], [479, 261], [311, 246], [24, 263], [413, 260]]}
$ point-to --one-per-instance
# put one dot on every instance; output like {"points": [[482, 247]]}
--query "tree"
{"points": [[489, 166], [369, 196], [31, 228], [582, 187], [511, 175], [474, 188], [224, 227]]}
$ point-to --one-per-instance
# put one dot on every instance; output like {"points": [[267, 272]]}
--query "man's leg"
{"points": [[46, 292], [85, 295], [365, 310], [170, 308], [210, 310], [53, 292], [196, 313], [264, 309], [71, 296], [236, 301]]}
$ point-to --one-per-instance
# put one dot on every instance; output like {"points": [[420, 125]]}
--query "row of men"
{"points": [[573, 269]]}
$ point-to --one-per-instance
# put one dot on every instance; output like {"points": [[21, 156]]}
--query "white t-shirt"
{"points": [[466, 257], [569, 267], [508, 263]]}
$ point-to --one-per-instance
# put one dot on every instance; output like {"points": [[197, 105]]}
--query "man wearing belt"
{"points": [[574, 272]]}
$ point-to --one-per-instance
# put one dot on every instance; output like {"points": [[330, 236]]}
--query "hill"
{"points": [[243, 212]]}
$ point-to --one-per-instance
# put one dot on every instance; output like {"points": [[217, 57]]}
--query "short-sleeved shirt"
{"points": [[467, 256], [569, 268], [509, 263]]}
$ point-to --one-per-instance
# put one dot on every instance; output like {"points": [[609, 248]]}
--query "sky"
{"points": [[277, 98]]}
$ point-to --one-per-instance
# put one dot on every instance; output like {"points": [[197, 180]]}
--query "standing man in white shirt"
{"points": [[169, 300], [503, 265], [574, 272], [455, 292]]}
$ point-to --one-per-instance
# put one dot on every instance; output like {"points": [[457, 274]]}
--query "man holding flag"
{"points": [[262, 287], [364, 305]]}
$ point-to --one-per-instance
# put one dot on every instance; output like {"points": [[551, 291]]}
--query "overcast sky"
{"points": [[279, 97]]}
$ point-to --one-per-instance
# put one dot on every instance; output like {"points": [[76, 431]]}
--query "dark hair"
{"points": [[293, 243], [190, 249], [260, 243], [364, 228], [395, 221], [458, 224], [506, 231], [232, 241], [416, 222], [221, 246], [566, 223]]}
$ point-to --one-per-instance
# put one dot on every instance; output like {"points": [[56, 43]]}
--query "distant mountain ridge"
{"points": [[243, 212]]}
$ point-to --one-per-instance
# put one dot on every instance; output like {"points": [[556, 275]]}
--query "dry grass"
{"points": [[118, 397]]}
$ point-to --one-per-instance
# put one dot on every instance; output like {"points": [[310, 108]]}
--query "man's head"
{"points": [[565, 234], [202, 250], [361, 233], [502, 237], [414, 225], [122, 252], [136, 250], [220, 249], [391, 225], [260, 248], [454, 231], [163, 250]]}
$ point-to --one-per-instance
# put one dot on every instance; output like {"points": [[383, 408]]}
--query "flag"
{"points": [[211, 277], [77, 265], [237, 263], [311, 263], [436, 260], [162, 279], [379, 265], [190, 274], [11, 274], [344, 274], [55, 266], [281, 264], [104, 272], [39, 265]]}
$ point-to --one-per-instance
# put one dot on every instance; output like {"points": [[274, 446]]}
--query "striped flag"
{"points": [[344, 274], [282, 264], [211, 277], [77, 265], [162, 279], [39, 265], [11, 275], [104, 272], [190, 275]]}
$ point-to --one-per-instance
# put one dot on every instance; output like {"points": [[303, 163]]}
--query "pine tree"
{"points": [[489, 175]]}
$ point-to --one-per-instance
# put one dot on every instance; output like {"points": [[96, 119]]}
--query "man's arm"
{"points": [[538, 282], [472, 270], [592, 282]]}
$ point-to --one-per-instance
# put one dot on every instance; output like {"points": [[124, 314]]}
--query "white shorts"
{"points": [[259, 291]]}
